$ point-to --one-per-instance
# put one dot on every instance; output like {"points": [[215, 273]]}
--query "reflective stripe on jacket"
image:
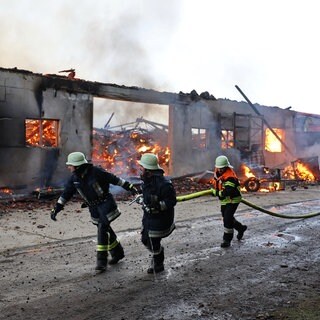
{"points": [[228, 187]]}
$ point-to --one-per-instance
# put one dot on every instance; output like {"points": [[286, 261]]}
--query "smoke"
{"points": [[105, 41], [312, 151], [126, 112], [126, 52]]}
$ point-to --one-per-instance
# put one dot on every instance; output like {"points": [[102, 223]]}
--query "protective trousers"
{"points": [[106, 241], [153, 245], [229, 221]]}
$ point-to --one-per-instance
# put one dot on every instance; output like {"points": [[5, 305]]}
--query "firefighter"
{"points": [[227, 188], [159, 199], [93, 184]]}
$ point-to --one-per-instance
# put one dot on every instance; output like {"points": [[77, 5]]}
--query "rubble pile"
{"points": [[183, 185], [117, 150]]}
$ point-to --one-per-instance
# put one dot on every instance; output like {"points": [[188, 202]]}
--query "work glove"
{"points": [[134, 190], [153, 204], [217, 193], [57, 208], [154, 207], [152, 210], [130, 187], [214, 192]]}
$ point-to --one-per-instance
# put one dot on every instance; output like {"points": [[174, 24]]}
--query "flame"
{"points": [[118, 152], [227, 139], [304, 169], [41, 133], [272, 144], [276, 185], [298, 171], [6, 191], [247, 171]]}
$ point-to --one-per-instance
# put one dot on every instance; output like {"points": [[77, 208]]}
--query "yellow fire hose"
{"points": [[209, 192]]}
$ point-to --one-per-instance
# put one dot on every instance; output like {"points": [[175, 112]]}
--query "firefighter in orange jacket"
{"points": [[227, 188]]}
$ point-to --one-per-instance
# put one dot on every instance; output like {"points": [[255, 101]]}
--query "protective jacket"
{"points": [[159, 199], [93, 184], [227, 187]]}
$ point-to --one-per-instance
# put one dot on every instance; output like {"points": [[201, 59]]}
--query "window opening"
{"points": [[227, 139], [41, 133], [199, 138], [272, 143]]}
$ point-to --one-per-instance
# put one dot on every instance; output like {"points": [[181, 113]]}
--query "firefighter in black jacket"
{"points": [[227, 188], [93, 183], [159, 199]]}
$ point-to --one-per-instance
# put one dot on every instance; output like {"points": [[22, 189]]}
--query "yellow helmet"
{"points": [[222, 162], [149, 161], [76, 159]]}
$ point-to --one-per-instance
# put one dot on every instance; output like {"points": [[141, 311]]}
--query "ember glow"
{"points": [[41, 133], [6, 191], [118, 152]]}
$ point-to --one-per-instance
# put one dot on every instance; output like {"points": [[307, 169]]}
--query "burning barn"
{"points": [[44, 117]]}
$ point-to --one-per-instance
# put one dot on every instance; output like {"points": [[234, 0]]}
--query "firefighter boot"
{"points": [[241, 232], [227, 238], [102, 260], [157, 262], [225, 244], [117, 254]]}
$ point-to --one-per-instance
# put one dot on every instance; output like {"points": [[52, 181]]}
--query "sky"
{"points": [[269, 49]]}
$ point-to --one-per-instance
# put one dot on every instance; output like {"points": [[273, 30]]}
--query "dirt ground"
{"points": [[47, 267]]}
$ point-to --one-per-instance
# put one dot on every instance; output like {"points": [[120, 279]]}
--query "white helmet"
{"points": [[76, 159], [222, 162], [149, 161]]}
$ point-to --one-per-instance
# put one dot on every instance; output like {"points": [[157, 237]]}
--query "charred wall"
{"points": [[208, 114], [272, 116], [186, 156], [194, 133], [22, 97]]}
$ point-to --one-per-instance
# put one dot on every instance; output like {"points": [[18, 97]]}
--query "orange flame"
{"points": [[6, 191], [272, 144], [41, 133], [298, 171], [247, 171], [118, 152]]}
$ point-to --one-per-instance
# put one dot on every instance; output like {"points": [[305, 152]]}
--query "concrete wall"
{"points": [[207, 114], [276, 118], [24, 94], [22, 97], [184, 158]]}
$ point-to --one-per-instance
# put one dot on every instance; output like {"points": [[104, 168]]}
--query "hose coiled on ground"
{"points": [[246, 202]]}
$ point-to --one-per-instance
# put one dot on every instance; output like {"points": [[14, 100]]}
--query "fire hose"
{"points": [[246, 202]]}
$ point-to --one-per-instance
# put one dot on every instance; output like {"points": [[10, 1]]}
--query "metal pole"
{"points": [[264, 120]]}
